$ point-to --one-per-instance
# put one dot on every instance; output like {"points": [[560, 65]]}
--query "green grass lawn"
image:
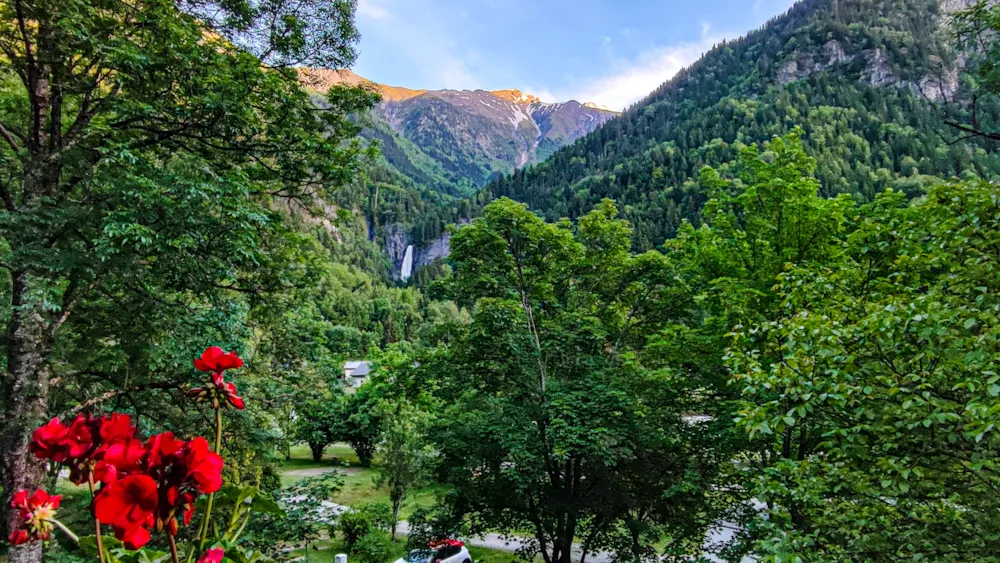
{"points": [[359, 488], [359, 482], [336, 453]]}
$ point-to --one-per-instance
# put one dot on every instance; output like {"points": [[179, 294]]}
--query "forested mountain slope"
{"points": [[867, 80]]}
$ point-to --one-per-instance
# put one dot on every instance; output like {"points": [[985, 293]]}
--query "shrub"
{"points": [[358, 523], [373, 547]]}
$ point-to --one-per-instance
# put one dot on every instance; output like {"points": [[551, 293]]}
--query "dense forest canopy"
{"points": [[868, 82]]}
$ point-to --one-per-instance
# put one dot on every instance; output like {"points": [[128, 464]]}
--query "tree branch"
{"points": [[9, 137], [108, 395]]}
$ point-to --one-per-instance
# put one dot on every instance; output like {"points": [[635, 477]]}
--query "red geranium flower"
{"points": [[47, 442], [204, 465], [155, 485], [220, 392], [182, 471], [214, 555], [82, 444], [161, 448], [119, 459], [80, 436], [129, 506], [34, 515], [116, 427], [214, 359]]}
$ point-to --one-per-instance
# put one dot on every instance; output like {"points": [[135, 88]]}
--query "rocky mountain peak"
{"points": [[515, 96], [322, 79]]}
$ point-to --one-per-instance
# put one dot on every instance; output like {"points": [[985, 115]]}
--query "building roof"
{"points": [[358, 369]]}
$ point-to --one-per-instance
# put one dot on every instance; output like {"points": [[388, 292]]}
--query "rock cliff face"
{"points": [[938, 82], [396, 241], [407, 258]]}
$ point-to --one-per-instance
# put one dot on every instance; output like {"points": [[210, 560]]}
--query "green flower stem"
{"points": [[218, 430], [97, 523], [65, 530], [211, 496]]}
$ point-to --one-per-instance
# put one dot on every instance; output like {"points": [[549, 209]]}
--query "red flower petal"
{"points": [[118, 460], [117, 427], [47, 442], [214, 359], [38, 499], [204, 466], [213, 555], [19, 537], [232, 397], [208, 358], [162, 446], [135, 538], [229, 361], [127, 503], [79, 438], [237, 402]]}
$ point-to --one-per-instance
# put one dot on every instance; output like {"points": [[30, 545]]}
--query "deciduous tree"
{"points": [[406, 455], [143, 150], [550, 421]]}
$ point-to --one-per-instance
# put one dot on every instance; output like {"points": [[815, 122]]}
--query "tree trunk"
{"points": [[563, 552], [565, 542], [317, 451], [24, 397], [396, 498]]}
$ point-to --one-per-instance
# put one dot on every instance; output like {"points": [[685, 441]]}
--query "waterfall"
{"points": [[406, 270]]}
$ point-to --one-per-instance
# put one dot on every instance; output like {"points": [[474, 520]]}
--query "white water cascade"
{"points": [[406, 269]]}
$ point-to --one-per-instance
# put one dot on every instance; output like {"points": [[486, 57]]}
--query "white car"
{"points": [[449, 551]]}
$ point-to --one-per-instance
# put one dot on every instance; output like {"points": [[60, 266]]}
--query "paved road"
{"points": [[498, 542]]}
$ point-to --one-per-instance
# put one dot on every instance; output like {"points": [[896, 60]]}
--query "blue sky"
{"points": [[611, 52]]}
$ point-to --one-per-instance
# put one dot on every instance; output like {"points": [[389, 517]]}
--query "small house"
{"points": [[356, 373]]}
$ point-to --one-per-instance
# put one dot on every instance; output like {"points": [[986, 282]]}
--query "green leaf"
{"points": [[88, 544]]}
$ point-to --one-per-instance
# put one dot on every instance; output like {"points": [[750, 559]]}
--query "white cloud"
{"points": [[368, 9], [543, 94], [630, 81]]}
